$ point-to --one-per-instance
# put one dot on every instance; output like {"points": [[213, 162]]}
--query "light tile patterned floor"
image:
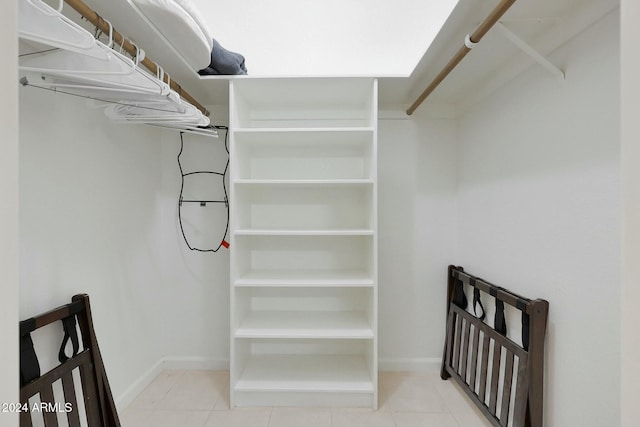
{"points": [[201, 399]]}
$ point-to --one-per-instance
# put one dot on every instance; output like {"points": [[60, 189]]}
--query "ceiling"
{"points": [[328, 37], [543, 24]]}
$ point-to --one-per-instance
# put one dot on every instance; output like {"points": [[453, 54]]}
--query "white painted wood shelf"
{"points": [[305, 324], [308, 278], [335, 131], [306, 373], [303, 230], [328, 232], [304, 182]]}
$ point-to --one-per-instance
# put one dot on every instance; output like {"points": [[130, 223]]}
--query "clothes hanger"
{"points": [[97, 65], [81, 65], [132, 80], [40, 23], [204, 131], [100, 93], [169, 108], [100, 59], [151, 112]]}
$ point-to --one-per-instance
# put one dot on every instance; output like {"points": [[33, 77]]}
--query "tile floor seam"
{"points": [[206, 422], [269, 417], [173, 384]]}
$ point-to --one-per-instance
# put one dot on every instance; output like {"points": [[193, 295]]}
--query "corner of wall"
{"points": [[9, 240], [630, 157]]}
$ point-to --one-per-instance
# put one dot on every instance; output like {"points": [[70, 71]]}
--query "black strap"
{"points": [[521, 305], [70, 332], [459, 298], [525, 331], [477, 302], [29, 366], [499, 323]]}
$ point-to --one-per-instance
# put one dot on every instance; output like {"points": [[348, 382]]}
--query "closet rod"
{"points": [[93, 17], [469, 42]]}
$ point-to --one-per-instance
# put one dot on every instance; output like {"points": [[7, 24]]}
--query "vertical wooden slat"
{"points": [[106, 405], [69, 390], [495, 373], [537, 327], [466, 337], [522, 391], [91, 404], [506, 389], [456, 344], [449, 345], [484, 363], [46, 396], [25, 417], [446, 356], [474, 357]]}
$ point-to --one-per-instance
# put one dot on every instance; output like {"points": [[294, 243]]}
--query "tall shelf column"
{"points": [[303, 242]]}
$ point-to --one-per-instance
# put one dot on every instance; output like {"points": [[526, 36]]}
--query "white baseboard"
{"points": [[164, 364], [423, 365], [194, 364]]}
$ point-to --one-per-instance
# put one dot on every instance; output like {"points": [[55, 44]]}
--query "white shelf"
{"points": [[332, 153], [303, 103], [306, 255], [305, 182], [303, 229], [305, 278], [306, 373], [305, 209], [322, 131], [257, 232], [305, 324]]}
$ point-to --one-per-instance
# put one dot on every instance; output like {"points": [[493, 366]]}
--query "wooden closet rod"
{"points": [[91, 16], [477, 35]]}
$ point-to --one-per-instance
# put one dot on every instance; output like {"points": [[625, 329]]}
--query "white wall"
{"points": [[332, 37], [416, 199], [196, 285], [99, 215], [630, 91], [539, 213], [90, 222], [9, 272]]}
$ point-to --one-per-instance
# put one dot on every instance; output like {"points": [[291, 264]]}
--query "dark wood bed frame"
{"points": [[504, 379], [99, 406]]}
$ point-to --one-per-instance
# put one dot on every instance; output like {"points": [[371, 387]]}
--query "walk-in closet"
{"points": [[339, 213]]}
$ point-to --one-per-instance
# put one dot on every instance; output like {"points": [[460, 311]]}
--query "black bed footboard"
{"points": [[502, 377]]}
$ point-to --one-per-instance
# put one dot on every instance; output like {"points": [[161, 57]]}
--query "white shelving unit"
{"points": [[303, 242]]}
